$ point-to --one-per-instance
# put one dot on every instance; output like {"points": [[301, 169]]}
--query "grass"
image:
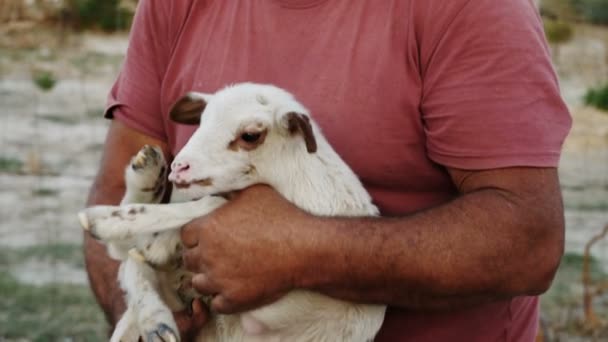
{"points": [[45, 192], [574, 261], [58, 252], [95, 147], [52, 312], [16, 55], [568, 281], [61, 119], [10, 165], [45, 80], [48, 313], [562, 304], [598, 206], [597, 97], [91, 61], [95, 113]]}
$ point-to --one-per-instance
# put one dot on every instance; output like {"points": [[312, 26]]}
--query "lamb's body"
{"points": [[318, 182]]}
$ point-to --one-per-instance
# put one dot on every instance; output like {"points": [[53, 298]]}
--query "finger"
{"points": [[202, 284], [222, 305], [198, 308], [192, 260], [190, 324], [189, 235]]}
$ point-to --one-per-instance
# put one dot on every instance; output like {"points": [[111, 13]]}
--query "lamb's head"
{"points": [[247, 133]]}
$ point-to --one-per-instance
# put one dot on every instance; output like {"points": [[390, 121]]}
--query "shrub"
{"points": [[562, 9], [558, 31], [595, 11], [597, 97], [108, 15], [45, 80], [10, 165]]}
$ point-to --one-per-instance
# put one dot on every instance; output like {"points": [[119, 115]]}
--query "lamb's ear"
{"points": [[297, 123], [189, 108]]}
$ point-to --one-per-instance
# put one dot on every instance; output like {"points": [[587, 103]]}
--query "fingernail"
{"points": [[196, 307]]}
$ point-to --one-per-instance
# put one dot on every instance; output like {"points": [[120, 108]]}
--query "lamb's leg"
{"points": [[145, 179], [146, 176], [111, 223], [126, 330], [146, 182], [153, 317]]}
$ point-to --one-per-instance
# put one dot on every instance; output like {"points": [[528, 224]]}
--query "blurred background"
{"points": [[58, 59]]}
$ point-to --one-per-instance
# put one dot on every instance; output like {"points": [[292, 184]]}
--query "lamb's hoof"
{"points": [[136, 255], [148, 156], [84, 221], [147, 173], [88, 225], [162, 334]]}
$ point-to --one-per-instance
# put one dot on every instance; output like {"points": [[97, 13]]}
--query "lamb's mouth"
{"points": [[199, 182], [229, 195]]}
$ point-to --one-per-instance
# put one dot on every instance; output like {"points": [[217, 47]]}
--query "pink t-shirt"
{"points": [[399, 87]]}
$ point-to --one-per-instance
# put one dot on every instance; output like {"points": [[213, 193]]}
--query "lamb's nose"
{"points": [[177, 169], [180, 167]]}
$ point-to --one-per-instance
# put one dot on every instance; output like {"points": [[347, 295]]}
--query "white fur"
{"points": [[320, 183]]}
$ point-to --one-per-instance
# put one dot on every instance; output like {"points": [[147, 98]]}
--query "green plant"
{"points": [[45, 192], [595, 11], [10, 165], [562, 9], [60, 119], [107, 15], [597, 97], [557, 31], [45, 80], [574, 261]]}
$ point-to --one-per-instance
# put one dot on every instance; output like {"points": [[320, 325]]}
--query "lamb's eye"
{"points": [[250, 137]]}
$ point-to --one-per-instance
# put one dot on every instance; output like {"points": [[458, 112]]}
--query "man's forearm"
{"points": [[480, 247]]}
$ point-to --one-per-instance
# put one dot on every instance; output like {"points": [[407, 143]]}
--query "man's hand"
{"points": [[247, 252]]}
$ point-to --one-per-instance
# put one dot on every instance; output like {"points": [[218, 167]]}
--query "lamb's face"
{"points": [[243, 130]]}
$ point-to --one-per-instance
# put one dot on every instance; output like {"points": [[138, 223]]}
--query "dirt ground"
{"points": [[50, 148]]}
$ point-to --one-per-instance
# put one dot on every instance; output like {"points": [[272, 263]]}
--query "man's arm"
{"points": [[121, 144], [503, 237]]}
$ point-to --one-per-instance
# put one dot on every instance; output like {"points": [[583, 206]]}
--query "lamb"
{"points": [[248, 134]]}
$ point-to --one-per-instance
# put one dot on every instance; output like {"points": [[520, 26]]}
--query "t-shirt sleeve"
{"points": [[135, 96], [490, 95]]}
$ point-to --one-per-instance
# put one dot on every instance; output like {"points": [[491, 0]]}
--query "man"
{"points": [[448, 111]]}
